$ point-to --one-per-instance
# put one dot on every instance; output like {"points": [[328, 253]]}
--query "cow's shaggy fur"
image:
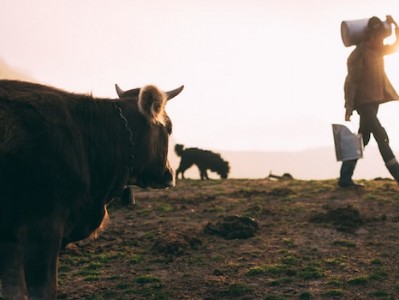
{"points": [[203, 159]]}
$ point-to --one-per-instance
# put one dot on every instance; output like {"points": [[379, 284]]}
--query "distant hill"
{"points": [[9, 72], [308, 164]]}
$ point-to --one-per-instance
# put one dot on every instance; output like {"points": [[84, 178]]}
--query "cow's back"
{"points": [[35, 134]]}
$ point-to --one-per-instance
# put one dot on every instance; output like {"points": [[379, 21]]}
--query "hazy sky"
{"points": [[258, 74]]}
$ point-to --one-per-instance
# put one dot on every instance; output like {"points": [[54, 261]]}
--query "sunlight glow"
{"points": [[259, 75]]}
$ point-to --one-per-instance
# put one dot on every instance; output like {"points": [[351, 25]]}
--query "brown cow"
{"points": [[63, 158]]}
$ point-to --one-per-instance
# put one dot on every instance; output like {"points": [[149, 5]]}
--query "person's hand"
{"points": [[347, 116], [390, 20]]}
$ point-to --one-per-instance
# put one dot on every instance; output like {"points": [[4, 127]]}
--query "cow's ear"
{"points": [[152, 104]]}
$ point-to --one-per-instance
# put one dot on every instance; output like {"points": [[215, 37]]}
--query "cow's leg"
{"points": [[41, 262], [12, 271]]}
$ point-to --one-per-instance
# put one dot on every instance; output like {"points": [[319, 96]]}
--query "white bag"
{"points": [[348, 145]]}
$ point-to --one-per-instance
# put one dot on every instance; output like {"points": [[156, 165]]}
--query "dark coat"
{"points": [[366, 80]]}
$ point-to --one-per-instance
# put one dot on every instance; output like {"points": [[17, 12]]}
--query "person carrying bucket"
{"points": [[366, 87]]}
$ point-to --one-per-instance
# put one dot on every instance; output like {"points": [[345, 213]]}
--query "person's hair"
{"points": [[376, 27]]}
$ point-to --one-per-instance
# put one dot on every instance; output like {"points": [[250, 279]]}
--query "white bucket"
{"points": [[348, 145], [354, 32]]}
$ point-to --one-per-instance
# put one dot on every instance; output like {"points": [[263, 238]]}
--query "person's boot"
{"points": [[393, 168], [346, 173]]}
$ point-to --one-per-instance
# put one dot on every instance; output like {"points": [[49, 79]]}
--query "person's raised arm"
{"points": [[392, 47]]}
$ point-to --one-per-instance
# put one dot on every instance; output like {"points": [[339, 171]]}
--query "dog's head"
{"points": [[179, 149], [224, 169]]}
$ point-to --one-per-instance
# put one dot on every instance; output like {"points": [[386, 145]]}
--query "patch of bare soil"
{"points": [[243, 239], [347, 219], [233, 227]]}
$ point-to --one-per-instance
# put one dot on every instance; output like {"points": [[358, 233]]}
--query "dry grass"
{"points": [[314, 241]]}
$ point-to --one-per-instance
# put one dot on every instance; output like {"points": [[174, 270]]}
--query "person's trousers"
{"points": [[369, 124]]}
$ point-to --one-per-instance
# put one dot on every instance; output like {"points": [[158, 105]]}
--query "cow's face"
{"points": [[150, 166]]}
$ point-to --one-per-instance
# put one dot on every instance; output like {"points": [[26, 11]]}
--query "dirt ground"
{"points": [[243, 239]]}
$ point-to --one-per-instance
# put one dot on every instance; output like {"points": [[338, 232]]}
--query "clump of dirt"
{"points": [[233, 227], [175, 244], [345, 219]]}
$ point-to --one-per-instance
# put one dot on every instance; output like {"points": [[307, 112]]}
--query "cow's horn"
{"points": [[174, 93], [119, 91]]}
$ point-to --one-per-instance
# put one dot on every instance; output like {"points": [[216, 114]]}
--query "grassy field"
{"points": [[243, 239]]}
